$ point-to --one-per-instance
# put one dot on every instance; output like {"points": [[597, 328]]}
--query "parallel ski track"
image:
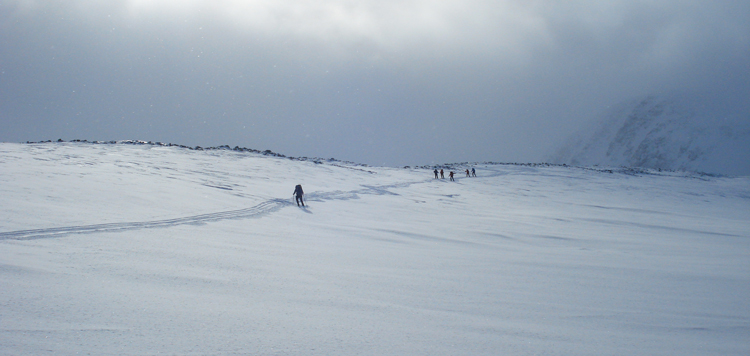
{"points": [[261, 209], [266, 207]]}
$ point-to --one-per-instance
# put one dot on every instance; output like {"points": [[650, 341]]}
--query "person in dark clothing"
{"points": [[436, 172], [451, 175], [298, 193], [473, 172], [441, 174], [467, 173]]}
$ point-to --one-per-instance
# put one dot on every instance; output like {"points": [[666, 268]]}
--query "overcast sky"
{"points": [[381, 82]]}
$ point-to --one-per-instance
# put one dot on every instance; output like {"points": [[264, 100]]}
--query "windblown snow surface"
{"points": [[115, 249]]}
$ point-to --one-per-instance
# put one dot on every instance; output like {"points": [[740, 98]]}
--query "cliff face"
{"points": [[679, 132]]}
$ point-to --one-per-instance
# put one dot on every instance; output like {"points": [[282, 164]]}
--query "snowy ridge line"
{"points": [[260, 209], [635, 171], [315, 160], [348, 164]]}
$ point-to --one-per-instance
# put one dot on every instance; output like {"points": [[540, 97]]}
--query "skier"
{"points": [[298, 193], [467, 173], [473, 172], [436, 172], [441, 174], [451, 175]]}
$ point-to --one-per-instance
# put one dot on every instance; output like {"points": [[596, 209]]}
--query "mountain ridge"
{"points": [[675, 132]]}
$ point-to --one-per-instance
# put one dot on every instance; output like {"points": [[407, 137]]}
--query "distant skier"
{"points": [[441, 174], [298, 193], [473, 172], [467, 173], [436, 173], [451, 175]]}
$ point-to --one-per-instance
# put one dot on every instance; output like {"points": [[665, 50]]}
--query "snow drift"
{"points": [[117, 249], [688, 132]]}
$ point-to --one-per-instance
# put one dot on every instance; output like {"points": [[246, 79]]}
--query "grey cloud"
{"points": [[406, 82]]}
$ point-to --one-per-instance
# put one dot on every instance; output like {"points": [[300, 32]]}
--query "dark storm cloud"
{"points": [[393, 82]]}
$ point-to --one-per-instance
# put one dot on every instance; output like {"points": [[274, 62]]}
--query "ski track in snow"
{"points": [[261, 209], [258, 210], [266, 207]]}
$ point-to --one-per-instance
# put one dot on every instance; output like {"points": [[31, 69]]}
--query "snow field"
{"points": [[520, 260]]}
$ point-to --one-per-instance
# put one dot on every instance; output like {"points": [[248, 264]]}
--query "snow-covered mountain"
{"points": [[146, 249], [686, 131]]}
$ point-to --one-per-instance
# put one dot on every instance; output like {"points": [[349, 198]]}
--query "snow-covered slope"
{"points": [[677, 132], [143, 250]]}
